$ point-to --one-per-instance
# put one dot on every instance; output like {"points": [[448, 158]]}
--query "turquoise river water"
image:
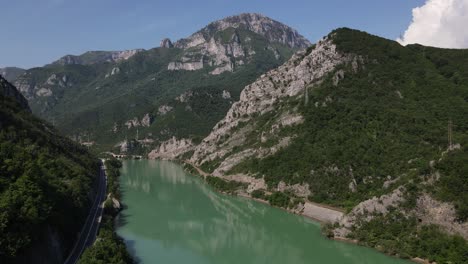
{"points": [[172, 217]]}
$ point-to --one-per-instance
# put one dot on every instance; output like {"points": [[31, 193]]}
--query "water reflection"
{"points": [[177, 218]]}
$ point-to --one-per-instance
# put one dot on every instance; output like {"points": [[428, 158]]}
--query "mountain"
{"points": [[11, 73], [173, 93], [8, 90], [362, 123], [45, 185], [93, 57], [227, 44]]}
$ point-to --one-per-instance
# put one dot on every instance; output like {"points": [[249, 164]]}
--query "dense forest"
{"points": [[45, 185], [384, 123]]}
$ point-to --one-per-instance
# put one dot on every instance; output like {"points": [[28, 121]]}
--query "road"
{"points": [[89, 230]]}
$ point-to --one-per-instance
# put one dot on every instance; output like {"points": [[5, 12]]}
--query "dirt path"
{"points": [[200, 171]]}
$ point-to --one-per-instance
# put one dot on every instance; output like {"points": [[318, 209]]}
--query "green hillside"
{"points": [[376, 123], [94, 101], [45, 186]]}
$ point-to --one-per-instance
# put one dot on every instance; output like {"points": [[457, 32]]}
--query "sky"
{"points": [[37, 32]]}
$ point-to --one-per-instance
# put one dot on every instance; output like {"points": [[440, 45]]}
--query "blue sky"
{"points": [[36, 32]]}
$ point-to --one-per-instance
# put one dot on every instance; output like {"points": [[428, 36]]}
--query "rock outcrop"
{"points": [[171, 149], [220, 45], [145, 121], [164, 109], [33, 88], [294, 78], [166, 43], [8, 90], [430, 211], [93, 57]]}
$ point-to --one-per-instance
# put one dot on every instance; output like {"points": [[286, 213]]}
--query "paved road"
{"points": [[89, 231]]}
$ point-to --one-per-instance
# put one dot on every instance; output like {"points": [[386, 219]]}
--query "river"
{"points": [[172, 217]]}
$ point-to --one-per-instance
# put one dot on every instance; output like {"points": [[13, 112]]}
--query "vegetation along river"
{"points": [[173, 217]]}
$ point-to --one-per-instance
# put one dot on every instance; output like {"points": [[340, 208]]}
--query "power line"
{"points": [[450, 135]]}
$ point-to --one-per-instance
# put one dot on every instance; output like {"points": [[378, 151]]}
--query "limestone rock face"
{"points": [[430, 211], [186, 66], [92, 57], [114, 71], [262, 25], [206, 48], [8, 90], [166, 43], [133, 123], [185, 97], [146, 120], [302, 71], [32, 88], [164, 109], [171, 149], [226, 95]]}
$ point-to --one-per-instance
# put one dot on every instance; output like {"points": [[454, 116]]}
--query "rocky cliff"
{"points": [[93, 57], [302, 72], [226, 44], [32, 87], [9, 90], [171, 149]]}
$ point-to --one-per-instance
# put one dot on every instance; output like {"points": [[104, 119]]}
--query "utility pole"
{"points": [[137, 135], [450, 135], [306, 99]]}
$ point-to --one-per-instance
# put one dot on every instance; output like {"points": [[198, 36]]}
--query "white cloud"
{"points": [[439, 23]]}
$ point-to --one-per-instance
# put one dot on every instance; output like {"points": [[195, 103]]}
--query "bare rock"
{"points": [[171, 149], [289, 80], [147, 120], [164, 109], [431, 211], [166, 43]]}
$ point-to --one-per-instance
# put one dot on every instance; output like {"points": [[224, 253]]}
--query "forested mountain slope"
{"points": [[362, 123], [178, 90], [45, 185]]}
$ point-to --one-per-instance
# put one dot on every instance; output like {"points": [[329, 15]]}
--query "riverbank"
{"points": [[324, 214], [314, 211]]}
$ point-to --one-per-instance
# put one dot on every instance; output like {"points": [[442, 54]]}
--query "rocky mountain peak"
{"points": [[271, 29], [231, 42], [166, 43]]}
